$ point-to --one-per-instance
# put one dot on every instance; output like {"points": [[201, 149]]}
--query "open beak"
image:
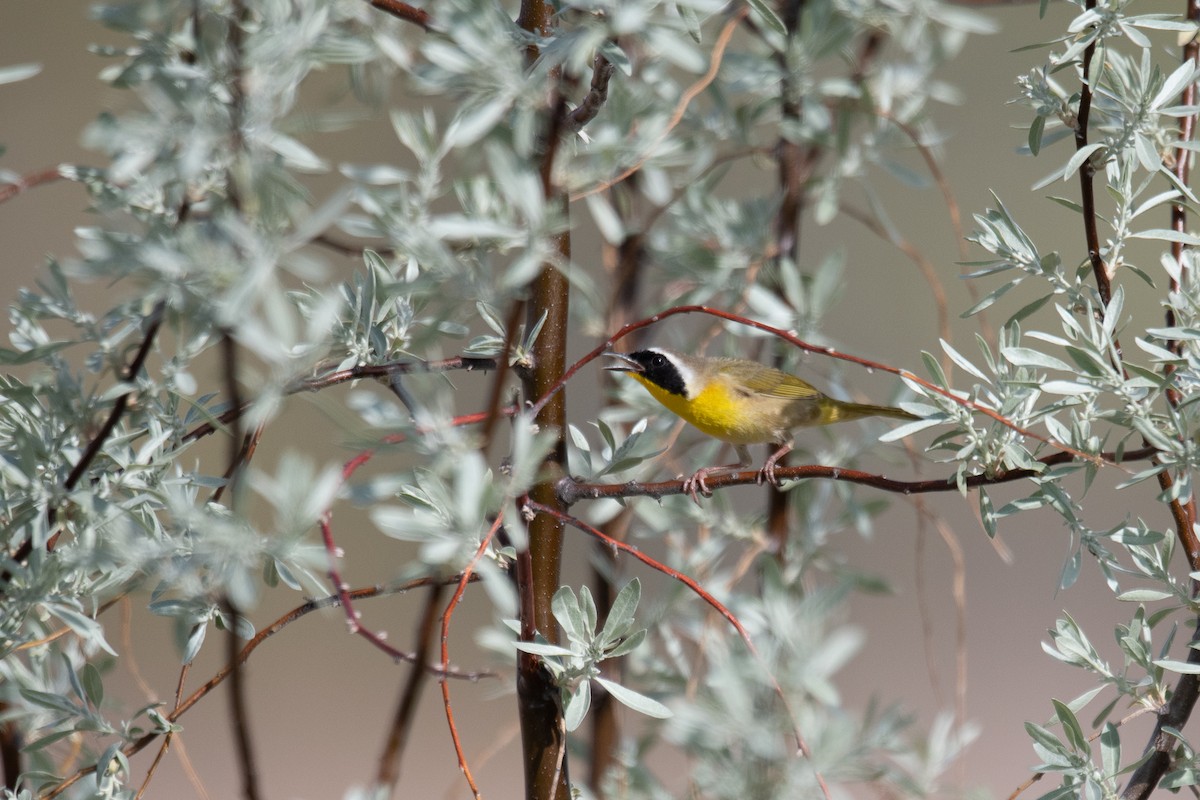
{"points": [[629, 364]]}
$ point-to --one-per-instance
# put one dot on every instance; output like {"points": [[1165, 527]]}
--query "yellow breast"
{"points": [[723, 413]]}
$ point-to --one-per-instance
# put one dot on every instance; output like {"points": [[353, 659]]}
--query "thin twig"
{"points": [[388, 774], [928, 271], [718, 53], [404, 11], [129, 375], [239, 708], [170, 735], [388, 370], [238, 444], [349, 249], [11, 190], [959, 590], [497, 388], [468, 574], [952, 208]]}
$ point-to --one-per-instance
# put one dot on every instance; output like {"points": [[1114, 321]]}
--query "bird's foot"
{"points": [[697, 483], [767, 473]]}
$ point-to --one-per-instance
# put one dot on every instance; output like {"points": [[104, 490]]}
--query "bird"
{"points": [[738, 401]]}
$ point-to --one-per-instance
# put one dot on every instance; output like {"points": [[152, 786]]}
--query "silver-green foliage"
{"points": [[1097, 375], [206, 218]]}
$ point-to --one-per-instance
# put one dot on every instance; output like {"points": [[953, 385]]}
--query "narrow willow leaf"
{"points": [[1182, 667], [638, 702], [769, 16]]}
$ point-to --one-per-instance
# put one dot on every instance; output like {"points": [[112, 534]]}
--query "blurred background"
{"points": [[314, 671]]}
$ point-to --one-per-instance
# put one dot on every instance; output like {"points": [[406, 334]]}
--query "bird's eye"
{"points": [[658, 361]]}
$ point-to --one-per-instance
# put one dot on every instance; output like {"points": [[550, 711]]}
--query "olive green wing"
{"points": [[756, 379]]}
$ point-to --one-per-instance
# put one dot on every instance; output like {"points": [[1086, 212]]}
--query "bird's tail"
{"points": [[841, 412]]}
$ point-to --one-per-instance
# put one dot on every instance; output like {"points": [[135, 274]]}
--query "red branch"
{"points": [[28, 182], [467, 572], [404, 11]]}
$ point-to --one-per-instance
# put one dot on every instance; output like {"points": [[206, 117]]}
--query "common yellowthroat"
{"points": [[740, 402]]}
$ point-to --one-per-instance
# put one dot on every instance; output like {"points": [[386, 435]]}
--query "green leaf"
{"points": [[1110, 749], [989, 299], [1070, 570], [93, 684], [908, 429], [987, 513], [18, 72], [1071, 726], [87, 628], [1035, 134], [54, 702], [1079, 157], [565, 606], [1144, 595], [1167, 235], [1088, 362], [576, 706], [769, 16], [627, 645], [621, 615], [935, 369], [1027, 357], [47, 740], [544, 649], [1045, 738], [588, 607], [105, 765], [961, 362], [638, 702]]}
